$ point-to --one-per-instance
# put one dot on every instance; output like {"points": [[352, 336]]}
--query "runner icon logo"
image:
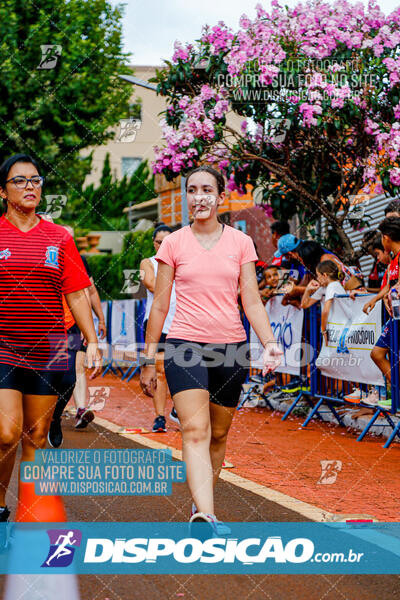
{"points": [[63, 543], [5, 254], [50, 55], [98, 397], [329, 471]]}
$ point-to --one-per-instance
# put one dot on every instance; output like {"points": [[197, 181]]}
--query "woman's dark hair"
{"points": [[280, 227], [391, 227], [330, 268], [393, 206], [219, 178], [376, 243], [10, 162], [310, 253], [161, 228]]}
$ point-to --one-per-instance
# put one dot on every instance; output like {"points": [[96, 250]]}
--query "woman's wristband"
{"points": [[144, 361]]}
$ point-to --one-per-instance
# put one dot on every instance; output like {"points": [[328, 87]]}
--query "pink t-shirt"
{"points": [[206, 284]]}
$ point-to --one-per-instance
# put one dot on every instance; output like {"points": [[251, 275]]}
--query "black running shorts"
{"points": [[30, 381], [219, 368]]}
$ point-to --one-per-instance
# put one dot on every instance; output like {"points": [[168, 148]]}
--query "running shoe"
{"points": [[387, 403], [217, 528], [372, 399], [293, 386], [4, 528], [55, 435], [84, 416], [173, 415], [159, 424], [356, 396]]}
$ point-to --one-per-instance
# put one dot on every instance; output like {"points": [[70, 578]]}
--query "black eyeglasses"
{"points": [[21, 182]]}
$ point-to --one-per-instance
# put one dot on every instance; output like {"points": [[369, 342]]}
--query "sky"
{"points": [[150, 27]]}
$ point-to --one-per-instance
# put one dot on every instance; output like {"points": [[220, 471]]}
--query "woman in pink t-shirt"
{"points": [[206, 351]]}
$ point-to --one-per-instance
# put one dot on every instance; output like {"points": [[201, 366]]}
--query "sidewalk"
{"points": [[282, 456]]}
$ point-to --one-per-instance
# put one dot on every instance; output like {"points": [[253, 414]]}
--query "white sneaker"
{"points": [[218, 527], [356, 396], [372, 399]]}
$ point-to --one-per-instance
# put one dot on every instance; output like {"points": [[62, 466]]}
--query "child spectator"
{"points": [[270, 283], [382, 259], [324, 289], [390, 229]]}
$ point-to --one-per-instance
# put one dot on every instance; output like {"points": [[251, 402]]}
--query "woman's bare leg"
{"points": [[10, 434], [193, 411]]}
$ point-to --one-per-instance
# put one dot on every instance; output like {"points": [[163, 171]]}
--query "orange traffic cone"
{"points": [[34, 508]]}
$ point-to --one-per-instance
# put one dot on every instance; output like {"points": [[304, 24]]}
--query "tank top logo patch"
{"points": [[5, 254], [52, 257]]}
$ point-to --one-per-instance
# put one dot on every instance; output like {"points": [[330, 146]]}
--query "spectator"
{"points": [[393, 209], [278, 229], [271, 283], [327, 286], [309, 254], [390, 229], [382, 259]]}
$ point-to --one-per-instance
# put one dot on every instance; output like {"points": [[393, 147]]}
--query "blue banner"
{"points": [[172, 548]]}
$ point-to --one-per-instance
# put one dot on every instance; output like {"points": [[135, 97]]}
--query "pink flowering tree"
{"points": [[317, 92]]}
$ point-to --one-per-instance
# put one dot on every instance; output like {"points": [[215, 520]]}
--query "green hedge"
{"points": [[107, 269]]}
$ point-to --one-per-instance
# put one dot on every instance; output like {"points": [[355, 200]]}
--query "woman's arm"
{"points": [[252, 305], [82, 313], [149, 279], [96, 305], [159, 310], [257, 316]]}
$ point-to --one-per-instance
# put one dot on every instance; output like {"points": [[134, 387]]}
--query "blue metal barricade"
{"points": [[140, 310]]}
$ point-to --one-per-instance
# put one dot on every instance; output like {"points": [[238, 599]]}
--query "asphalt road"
{"points": [[233, 504]]}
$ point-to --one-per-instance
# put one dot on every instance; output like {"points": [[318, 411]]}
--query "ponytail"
{"points": [[330, 268]]}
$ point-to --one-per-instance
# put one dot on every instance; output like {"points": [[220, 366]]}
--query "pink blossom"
{"points": [[395, 176]]}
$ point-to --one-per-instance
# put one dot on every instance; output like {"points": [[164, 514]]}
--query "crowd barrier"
{"points": [[325, 393], [322, 393]]}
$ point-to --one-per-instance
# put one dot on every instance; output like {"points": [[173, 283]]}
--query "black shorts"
{"points": [[160, 347], [75, 340], [219, 368], [30, 381]]}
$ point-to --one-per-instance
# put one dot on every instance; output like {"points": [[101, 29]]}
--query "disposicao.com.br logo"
{"points": [[248, 551]]}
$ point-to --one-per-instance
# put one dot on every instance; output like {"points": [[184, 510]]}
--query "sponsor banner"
{"points": [[103, 472], [287, 325], [351, 336], [172, 548], [123, 322]]}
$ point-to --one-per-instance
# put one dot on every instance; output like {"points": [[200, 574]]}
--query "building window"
{"points": [[129, 165], [135, 110]]}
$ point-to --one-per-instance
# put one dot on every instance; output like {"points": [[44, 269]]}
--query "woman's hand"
{"points": [[102, 330], [148, 379], [325, 336], [272, 357], [369, 306], [94, 359]]}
